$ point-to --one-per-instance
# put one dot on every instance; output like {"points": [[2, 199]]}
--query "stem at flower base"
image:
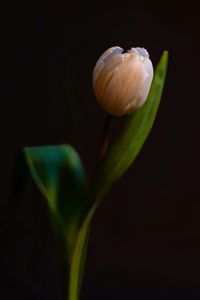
{"points": [[104, 141]]}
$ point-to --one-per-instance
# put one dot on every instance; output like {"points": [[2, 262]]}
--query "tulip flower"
{"points": [[121, 84], [121, 81]]}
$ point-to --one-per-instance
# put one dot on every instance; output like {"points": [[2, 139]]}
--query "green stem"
{"points": [[80, 248], [78, 262]]}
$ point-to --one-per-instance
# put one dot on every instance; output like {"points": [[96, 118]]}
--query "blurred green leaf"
{"points": [[136, 129], [59, 175]]}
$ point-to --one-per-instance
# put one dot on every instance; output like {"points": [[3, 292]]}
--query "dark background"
{"points": [[145, 239]]}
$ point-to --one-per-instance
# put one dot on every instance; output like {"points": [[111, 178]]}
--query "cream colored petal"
{"points": [[139, 51], [101, 61], [133, 50], [108, 52], [123, 85], [142, 52], [115, 52], [148, 66], [106, 73], [143, 90]]}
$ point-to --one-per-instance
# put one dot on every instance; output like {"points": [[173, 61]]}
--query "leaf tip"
{"points": [[165, 57]]}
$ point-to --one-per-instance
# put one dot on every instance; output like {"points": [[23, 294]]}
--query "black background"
{"points": [[145, 236]]}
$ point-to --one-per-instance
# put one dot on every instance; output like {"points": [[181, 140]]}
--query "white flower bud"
{"points": [[121, 81]]}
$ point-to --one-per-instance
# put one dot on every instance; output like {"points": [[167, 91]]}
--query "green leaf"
{"points": [[135, 131], [58, 173], [60, 177]]}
